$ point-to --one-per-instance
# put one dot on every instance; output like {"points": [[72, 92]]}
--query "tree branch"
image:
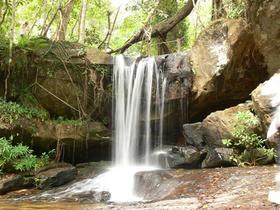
{"points": [[5, 12], [161, 28]]}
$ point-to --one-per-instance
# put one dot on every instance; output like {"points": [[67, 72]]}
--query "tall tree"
{"points": [[64, 16], [82, 26]]}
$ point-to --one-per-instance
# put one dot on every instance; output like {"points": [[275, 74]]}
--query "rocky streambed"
{"points": [[220, 188]]}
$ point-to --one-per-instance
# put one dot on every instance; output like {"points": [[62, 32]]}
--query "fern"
{"points": [[19, 157]]}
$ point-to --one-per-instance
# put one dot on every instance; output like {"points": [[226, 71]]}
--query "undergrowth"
{"points": [[15, 158], [65, 121], [249, 148], [11, 111]]}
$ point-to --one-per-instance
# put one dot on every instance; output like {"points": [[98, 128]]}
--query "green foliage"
{"points": [[235, 9], [19, 157], [11, 111], [65, 121], [249, 147]]}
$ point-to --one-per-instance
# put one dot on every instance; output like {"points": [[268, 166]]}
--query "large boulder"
{"points": [[13, 182], [193, 134], [55, 177], [266, 101], [227, 66], [263, 15], [208, 136], [214, 128]]}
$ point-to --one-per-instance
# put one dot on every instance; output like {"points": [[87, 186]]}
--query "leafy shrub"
{"points": [[249, 147], [10, 111], [19, 157]]}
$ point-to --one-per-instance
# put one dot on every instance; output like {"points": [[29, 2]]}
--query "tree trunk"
{"points": [[64, 14], [46, 29], [165, 42], [82, 27], [11, 44]]}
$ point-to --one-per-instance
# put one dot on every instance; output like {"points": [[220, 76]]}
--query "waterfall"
{"points": [[138, 91], [133, 99]]}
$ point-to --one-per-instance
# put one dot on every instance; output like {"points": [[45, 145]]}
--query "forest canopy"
{"points": [[109, 24]]}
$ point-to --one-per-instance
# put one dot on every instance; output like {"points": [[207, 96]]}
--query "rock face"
{"points": [[178, 71], [265, 22], [55, 177], [67, 80], [267, 105], [179, 75], [14, 182], [64, 77], [227, 67], [76, 141]]}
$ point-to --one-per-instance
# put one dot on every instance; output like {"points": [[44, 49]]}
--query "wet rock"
{"points": [[91, 169], [193, 134], [155, 185], [179, 74], [224, 56], [264, 18], [178, 157], [218, 157], [92, 196], [14, 182], [55, 177], [192, 155]]}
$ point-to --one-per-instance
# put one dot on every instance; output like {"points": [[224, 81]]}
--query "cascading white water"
{"points": [[133, 101], [133, 86]]}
